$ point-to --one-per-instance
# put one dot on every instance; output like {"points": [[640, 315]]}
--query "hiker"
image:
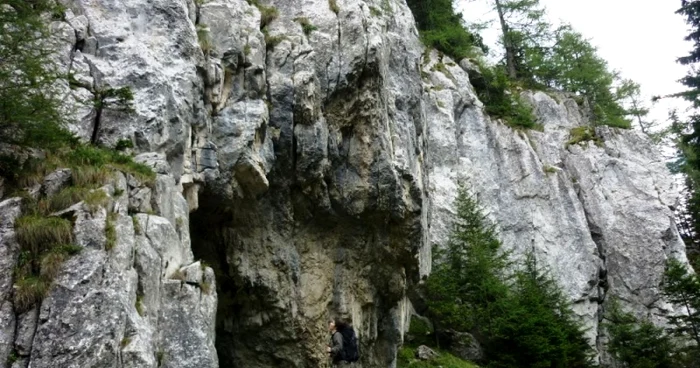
{"points": [[343, 347]]}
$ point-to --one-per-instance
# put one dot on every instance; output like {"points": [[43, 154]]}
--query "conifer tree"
{"points": [[519, 313], [638, 344], [29, 106]]}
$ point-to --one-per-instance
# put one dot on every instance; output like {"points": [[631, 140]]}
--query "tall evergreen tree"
{"points": [[638, 344], [519, 314], [522, 30], [29, 106]]}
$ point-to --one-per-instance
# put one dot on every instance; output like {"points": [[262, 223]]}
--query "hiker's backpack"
{"points": [[350, 351]]}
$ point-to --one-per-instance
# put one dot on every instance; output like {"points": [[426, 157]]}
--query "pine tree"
{"points": [[638, 344], [29, 106], [442, 28], [683, 288], [522, 27], [537, 327], [467, 282], [519, 313]]}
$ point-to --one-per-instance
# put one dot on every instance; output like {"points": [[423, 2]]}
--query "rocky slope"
{"points": [[309, 160]]}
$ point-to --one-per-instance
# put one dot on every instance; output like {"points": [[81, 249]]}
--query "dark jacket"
{"points": [[337, 347]]}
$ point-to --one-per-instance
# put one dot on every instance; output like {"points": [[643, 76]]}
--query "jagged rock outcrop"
{"points": [[599, 217], [307, 158]]}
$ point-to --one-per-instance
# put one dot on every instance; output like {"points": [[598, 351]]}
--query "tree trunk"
{"points": [[507, 42]]}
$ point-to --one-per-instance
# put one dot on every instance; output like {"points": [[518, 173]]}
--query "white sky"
{"points": [[640, 38]]}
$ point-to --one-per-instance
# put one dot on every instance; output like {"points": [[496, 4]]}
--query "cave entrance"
{"points": [[212, 235]]}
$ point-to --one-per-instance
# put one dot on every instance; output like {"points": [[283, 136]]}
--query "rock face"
{"points": [[307, 155]]}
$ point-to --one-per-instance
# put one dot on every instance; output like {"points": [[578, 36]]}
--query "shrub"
{"points": [[407, 359], [584, 134], [441, 28], [123, 144]]}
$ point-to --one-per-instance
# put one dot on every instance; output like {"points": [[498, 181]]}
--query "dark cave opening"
{"points": [[211, 232]]}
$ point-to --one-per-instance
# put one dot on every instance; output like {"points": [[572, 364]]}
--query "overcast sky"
{"points": [[640, 38]]}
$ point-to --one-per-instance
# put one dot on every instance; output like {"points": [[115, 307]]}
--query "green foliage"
{"points": [[549, 169], [30, 104], [123, 144], [45, 243], [466, 279], [110, 231], [36, 233], [407, 359], [518, 311], [537, 327], [267, 13], [584, 134], [442, 28], [420, 332], [306, 25], [137, 225], [204, 39], [638, 344], [272, 41], [500, 100], [683, 288], [139, 305]]}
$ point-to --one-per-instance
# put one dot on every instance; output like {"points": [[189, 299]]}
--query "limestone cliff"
{"points": [[307, 154]]}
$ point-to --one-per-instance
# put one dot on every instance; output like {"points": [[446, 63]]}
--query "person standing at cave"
{"points": [[343, 346]]}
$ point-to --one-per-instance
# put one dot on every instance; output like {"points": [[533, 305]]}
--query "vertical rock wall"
{"points": [[308, 153]]}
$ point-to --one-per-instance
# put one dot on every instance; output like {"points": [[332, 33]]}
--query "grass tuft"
{"points": [[110, 231], [584, 134], [306, 25], [29, 291], [139, 305], [36, 233], [137, 225]]}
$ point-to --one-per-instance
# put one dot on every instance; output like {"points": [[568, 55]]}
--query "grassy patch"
{"points": [[110, 231], [206, 287], [267, 13], [584, 134], [123, 144], [139, 305], [375, 12], [29, 291], [407, 359], [36, 233], [125, 341], [137, 225], [549, 170], [271, 41], [306, 25], [204, 39]]}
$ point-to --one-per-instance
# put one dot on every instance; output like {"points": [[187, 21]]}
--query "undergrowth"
{"points": [[407, 359]]}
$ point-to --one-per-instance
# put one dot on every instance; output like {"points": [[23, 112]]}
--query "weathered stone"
{"points": [[54, 182], [425, 353], [323, 166], [462, 345]]}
